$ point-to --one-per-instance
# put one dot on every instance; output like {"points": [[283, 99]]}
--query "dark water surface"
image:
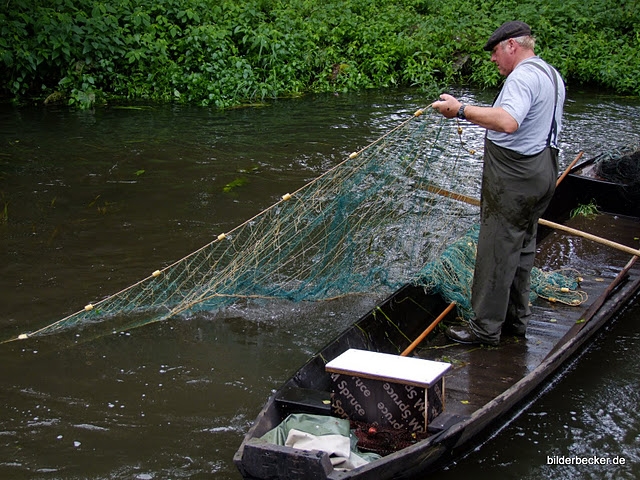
{"points": [[91, 202]]}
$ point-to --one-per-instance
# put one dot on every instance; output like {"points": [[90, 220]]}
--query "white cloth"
{"points": [[337, 446]]}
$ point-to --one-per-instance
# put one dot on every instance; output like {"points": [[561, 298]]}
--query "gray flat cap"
{"points": [[505, 31]]}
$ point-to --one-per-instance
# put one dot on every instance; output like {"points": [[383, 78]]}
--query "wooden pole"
{"points": [[568, 169], [428, 330], [474, 201], [588, 236], [456, 196], [542, 221]]}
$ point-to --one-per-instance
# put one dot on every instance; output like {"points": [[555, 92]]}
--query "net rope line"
{"points": [[369, 223], [228, 270]]}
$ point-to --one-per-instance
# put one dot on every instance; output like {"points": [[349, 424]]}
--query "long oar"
{"points": [[542, 221], [580, 233], [568, 169], [428, 330], [476, 202], [589, 236]]}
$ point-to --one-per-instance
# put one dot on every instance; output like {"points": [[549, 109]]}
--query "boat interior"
{"points": [[481, 376]]}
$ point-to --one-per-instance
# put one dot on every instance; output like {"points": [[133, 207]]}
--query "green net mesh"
{"points": [[451, 276], [370, 224]]}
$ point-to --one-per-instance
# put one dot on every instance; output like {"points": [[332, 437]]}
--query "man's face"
{"points": [[502, 56]]}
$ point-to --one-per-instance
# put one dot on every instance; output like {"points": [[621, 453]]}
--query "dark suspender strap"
{"points": [[554, 80]]}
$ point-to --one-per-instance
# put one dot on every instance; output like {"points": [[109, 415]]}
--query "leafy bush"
{"points": [[226, 52]]}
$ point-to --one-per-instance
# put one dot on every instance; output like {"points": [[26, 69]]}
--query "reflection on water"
{"points": [[95, 201]]}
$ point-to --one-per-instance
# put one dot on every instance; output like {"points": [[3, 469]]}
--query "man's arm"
{"points": [[493, 118]]}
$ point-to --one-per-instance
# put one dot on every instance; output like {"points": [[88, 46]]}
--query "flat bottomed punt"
{"points": [[484, 385]]}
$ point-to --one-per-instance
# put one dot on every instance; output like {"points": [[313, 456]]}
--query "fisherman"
{"points": [[518, 181]]}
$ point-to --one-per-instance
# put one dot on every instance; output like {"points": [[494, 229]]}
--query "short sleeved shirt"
{"points": [[528, 96]]}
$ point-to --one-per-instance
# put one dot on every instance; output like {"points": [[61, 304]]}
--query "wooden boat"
{"points": [[485, 386], [615, 175]]}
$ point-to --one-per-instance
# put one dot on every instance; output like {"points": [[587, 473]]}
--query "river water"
{"points": [[91, 202]]}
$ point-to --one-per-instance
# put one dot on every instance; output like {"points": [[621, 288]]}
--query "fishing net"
{"points": [[451, 276], [368, 225]]}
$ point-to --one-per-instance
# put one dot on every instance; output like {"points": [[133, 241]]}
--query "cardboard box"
{"points": [[390, 390]]}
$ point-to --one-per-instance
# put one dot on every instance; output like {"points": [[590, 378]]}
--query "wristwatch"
{"points": [[460, 113]]}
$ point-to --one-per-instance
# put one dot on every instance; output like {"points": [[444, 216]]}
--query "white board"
{"points": [[387, 367]]}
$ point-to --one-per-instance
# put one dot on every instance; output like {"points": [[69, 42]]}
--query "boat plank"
{"points": [[487, 371]]}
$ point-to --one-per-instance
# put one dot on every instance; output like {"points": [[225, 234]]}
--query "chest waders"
{"points": [[516, 190]]}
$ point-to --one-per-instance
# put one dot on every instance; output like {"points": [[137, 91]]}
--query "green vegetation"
{"points": [[228, 52], [234, 184], [589, 210]]}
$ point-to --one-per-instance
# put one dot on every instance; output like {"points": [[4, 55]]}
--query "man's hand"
{"points": [[493, 118], [447, 106]]}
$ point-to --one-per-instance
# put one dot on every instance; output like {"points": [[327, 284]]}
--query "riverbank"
{"points": [[227, 53]]}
